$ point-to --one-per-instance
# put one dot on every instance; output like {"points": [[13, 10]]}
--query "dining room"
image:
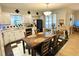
{"points": [[38, 29]]}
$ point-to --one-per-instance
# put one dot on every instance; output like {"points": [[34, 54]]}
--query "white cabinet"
{"points": [[6, 37], [0, 45], [19, 34], [2, 51], [12, 36]]}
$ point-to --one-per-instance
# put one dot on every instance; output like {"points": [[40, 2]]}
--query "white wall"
{"points": [[27, 19], [6, 18], [69, 14], [0, 15], [64, 14], [60, 14], [76, 15], [7, 12]]}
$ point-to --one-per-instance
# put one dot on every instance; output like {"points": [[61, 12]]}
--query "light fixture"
{"points": [[37, 13], [29, 12], [46, 13], [17, 11]]}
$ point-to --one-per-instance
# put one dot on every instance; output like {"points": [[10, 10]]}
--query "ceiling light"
{"points": [[37, 13], [17, 11], [29, 12], [46, 13]]}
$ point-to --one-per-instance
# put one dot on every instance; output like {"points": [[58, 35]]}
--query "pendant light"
{"points": [[46, 13], [37, 13], [17, 11], [29, 12]]}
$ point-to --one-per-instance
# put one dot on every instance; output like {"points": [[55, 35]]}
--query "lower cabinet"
{"points": [[6, 37], [2, 51], [12, 36]]}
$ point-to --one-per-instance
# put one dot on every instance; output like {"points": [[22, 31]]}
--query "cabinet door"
{"points": [[19, 34], [12, 36], [0, 44], [2, 51], [6, 37]]}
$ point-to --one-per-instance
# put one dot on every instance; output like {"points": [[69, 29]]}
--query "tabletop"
{"points": [[33, 41]]}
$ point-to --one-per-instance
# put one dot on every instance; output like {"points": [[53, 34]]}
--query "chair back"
{"points": [[66, 34], [45, 47], [55, 41]]}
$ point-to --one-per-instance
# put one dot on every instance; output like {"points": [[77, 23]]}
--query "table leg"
{"points": [[33, 52], [23, 47], [27, 47], [29, 50]]}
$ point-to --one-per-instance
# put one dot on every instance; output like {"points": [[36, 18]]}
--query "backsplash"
{"points": [[8, 26]]}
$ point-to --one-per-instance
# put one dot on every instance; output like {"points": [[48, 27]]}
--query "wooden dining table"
{"points": [[33, 41]]}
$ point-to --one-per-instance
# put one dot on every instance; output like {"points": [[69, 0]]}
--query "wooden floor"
{"points": [[71, 48]]}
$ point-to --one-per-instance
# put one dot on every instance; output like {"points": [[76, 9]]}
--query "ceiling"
{"points": [[39, 6]]}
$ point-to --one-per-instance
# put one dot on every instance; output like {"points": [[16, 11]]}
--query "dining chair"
{"points": [[55, 41], [45, 48], [66, 34], [63, 37], [54, 44], [26, 46]]}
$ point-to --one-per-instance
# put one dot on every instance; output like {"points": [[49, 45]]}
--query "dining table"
{"points": [[34, 41]]}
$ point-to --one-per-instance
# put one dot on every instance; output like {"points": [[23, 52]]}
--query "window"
{"points": [[16, 19], [48, 22], [54, 20]]}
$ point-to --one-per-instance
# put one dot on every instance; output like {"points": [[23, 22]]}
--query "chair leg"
{"points": [[23, 47], [29, 50]]}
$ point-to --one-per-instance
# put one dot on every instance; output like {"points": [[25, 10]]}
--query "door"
{"points": [[39, 25]]}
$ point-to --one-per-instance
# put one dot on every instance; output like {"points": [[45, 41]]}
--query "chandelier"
{"points": [[46, 13]]}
